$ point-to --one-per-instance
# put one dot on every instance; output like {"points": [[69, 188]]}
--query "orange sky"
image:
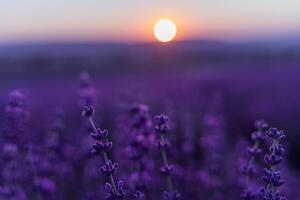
{"points": [[130, 20]]}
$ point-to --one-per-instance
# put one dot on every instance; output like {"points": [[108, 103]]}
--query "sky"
{"points": [[132, 20]]}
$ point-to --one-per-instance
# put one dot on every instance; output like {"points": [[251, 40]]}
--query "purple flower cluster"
{"points": [[46, 157], [161, 127], [213, 143], [248, 169], [87, 92], [273, 158], [139, 147], [101, 147], [14, 147], [17, 116]]}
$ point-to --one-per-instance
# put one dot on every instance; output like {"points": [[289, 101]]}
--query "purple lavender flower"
{"points": [[55, 136], [213, 142], [171, 195], [109, 168], [138, 149], [14, 146], [248, 169], [45, 185], [115, 192], [88, 111], [17, 116], [103, 145], [138, 195], [87, 92], [12, 193], [161, 127], [273, 158]]}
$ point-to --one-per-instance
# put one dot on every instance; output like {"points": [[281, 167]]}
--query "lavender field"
{"points": [[189, 120]]}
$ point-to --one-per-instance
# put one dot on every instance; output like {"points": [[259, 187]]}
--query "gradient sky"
{"points": [[132, 20]]}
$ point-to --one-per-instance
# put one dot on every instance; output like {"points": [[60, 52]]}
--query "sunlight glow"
{"points": [[164, 30]]}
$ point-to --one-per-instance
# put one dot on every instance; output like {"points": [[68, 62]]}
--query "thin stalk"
{"points": [[35, 173], [105, 157], [273, 188], [165, 160], [250, 163], [251, 160]]}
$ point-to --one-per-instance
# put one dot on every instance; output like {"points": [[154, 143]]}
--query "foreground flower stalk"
{"points": [[14, 148], [101, 146], [248, 169], [139, 147], [114, 191], [273, 158], [163, 144]]}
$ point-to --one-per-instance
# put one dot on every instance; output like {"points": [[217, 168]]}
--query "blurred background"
{"points": [[245, 54]]}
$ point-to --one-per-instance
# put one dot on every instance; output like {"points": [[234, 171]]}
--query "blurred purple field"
{"points": [[213, 93]]}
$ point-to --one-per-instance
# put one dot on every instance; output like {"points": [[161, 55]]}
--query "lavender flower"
{"points": [[17, 116], [56, 163], [87, 92], [14, 146], [273, 158], [213, 142], [248, 169], [12, 193], [138, 195], [139, 146], [115, 192], [101, 147], [161, 127]]}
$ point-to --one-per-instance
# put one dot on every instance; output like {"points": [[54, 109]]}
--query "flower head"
{"points": [[88, 111], [109, 168], [171, 195], [110, 194], [160, 122], [99, 134], [276, 134], [273, 158]]}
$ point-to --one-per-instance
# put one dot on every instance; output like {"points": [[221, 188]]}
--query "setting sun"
{"points": [[164, 30]]}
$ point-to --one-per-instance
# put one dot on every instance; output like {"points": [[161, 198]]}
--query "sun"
{"points": [[164, 30]]}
